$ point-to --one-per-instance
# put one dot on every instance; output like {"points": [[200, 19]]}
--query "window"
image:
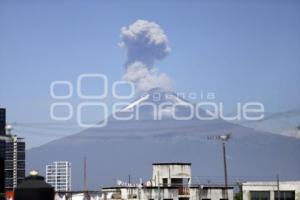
{"points": [[176, 182], [165, 182], [132, 196], [21, 155], [285, 195], [183, 198], [260, 195]]}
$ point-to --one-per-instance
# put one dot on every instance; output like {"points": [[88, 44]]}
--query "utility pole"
{"points": [[224, 139], [84, 174], [225, 164], [129, 179], [278, 190], [86, 193], [129, 184], [158, 186]]}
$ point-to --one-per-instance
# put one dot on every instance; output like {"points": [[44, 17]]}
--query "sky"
{"points": [[240, 50]]}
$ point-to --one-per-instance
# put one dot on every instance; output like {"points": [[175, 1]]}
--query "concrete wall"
{"points": [[272, 187], [212, 194], [167, 193], [170, 171], [146, 194]]}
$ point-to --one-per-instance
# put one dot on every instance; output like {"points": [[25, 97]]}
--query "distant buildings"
{"points": [[170, 181], [288, 190], [58, 174], [12, 157]]}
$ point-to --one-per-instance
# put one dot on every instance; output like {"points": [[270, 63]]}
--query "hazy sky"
{"points": [[240, 50]]}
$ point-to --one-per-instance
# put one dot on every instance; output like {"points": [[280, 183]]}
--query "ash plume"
{"points": [[145, 79], [145, 42]]}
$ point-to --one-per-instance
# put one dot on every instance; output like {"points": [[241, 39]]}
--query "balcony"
{"points": [[183, 191]]}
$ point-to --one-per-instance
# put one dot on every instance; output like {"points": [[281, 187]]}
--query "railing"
{"points": [[183, 191]]}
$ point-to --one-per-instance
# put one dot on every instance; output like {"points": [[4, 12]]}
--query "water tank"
{"points": [[34, 187]]}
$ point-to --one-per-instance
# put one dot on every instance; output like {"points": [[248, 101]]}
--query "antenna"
{"points": [[278, 190]]}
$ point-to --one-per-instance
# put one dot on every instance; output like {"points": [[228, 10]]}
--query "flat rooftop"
{"points": [[172, 163], [170, 187]]}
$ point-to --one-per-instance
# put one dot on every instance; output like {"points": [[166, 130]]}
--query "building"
{"points": [[14, 162], [2, 121], [171, 174], [170, 181], [288, 190], [58, 174], [2, 149], [12, 156], [34, 187]]}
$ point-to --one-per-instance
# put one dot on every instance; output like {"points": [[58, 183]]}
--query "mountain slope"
{"points": [[130, 147]]}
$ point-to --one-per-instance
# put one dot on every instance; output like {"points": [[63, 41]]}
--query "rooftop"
{"points": [[175, 163], [269, 183], [171, 187]]}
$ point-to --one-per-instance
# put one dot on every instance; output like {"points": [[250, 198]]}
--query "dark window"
{"points": [[8, 182], [9, 173], [165, 182], [260, 195], [19, 181], [176, 181], [9, 164], [132, 196], [183, 198], [9, 146], [9, 156], [285, 195], [21, 173], [21, 155], [21, 164], [21, 146]]}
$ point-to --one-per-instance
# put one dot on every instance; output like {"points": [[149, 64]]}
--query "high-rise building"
{"points": [[12, 156], [2, 121], [2, 148], [58, 174], [14, 162]]}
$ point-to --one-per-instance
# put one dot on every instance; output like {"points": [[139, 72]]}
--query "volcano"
{"points": [[129, 147]]}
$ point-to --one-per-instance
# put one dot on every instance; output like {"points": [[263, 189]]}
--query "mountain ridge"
{"points": [[130, 147]]}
